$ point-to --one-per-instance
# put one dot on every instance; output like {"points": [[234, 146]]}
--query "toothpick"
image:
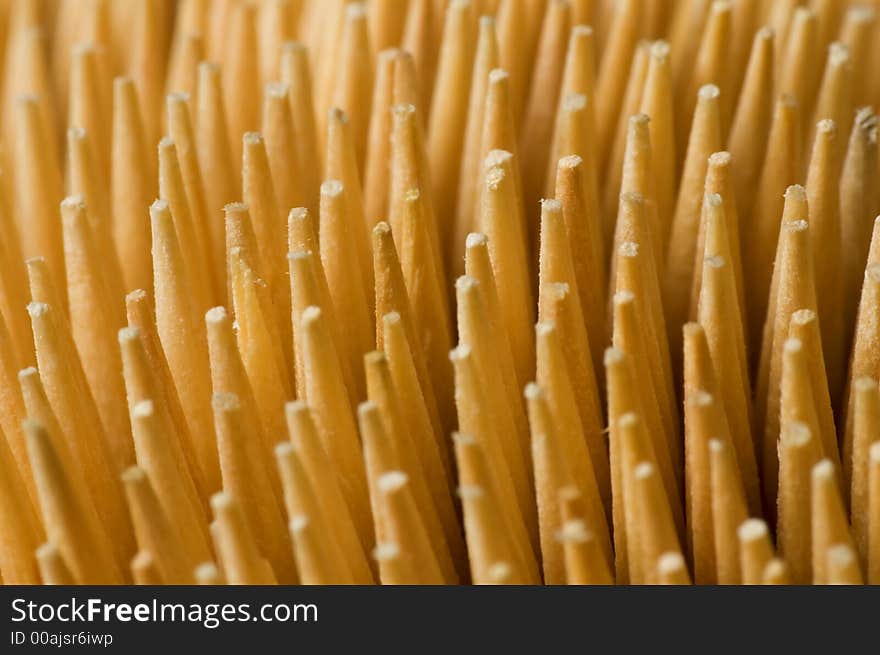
{"points": [[428, 486], [93, 320], [657, 103], [829, 15], [628, 339], [409, 170], [858, 205], [613, 68], [705, 139], [319, 557], [339, 254], [874, 514], [69, 395], [38, 192], [12, 410], [53, 568], [704, 420], [777, 572], [657, 529], [38, 408], [799, 451], [380, 457], [315, 567], [394, 567], [85, 181], [618, 147], [183, 63], [259, 346], [234, 542], [492, 534], [342, 164], [207, 573], [745, 22], [830, 526], [246, 476], [485, 59], [131, 193], [781, 167], [751, 121], [182, 338], [798, 402], [296, 74], [711, 66], [473, 324], [584, 561], [376, 173], [824, 216], [419, 409], [508, 252], [553, 377], [515, 43], [287, 171], [635, 275], [406, 526], [793, 290], [70, 521], [855, 32], [420, 38], [385, 21], [392, 296], [229, 376], [309, 288], [755, 549], [672, 570], [87, 107], [499, 133], [724, 334], [864, 358], [552, 473], [406, 83], [155, 532], [578, 196], [150, 379], [328, 398], [13, 292], [19, 521], [835, 96], [544, 90], [207, 236], [340, 521], [241, 88], [865, 422], [160, 457], [173, 192], [800, 60], [147, 61], [144, 569], [843, 566], [805, 328], [469, 400], [269, 230], [637, 218], [622, 400], [728, 507], [685, 33], [219, 176], [556, 308], [448, 116]]}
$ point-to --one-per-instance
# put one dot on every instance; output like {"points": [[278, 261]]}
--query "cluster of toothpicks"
{"points": [[439, 292]]}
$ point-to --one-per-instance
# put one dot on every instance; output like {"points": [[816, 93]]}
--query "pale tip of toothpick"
{"points": [[752, 529]]}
